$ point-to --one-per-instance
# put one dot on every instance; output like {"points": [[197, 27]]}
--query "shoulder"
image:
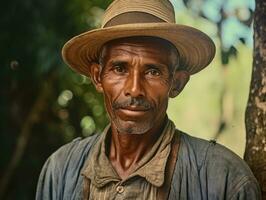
{"points": [[72, 155], [220, 168], [210, 152], [77, 148], [61, 171]]}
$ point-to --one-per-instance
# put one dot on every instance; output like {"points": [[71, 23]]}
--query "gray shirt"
{"points": [[204, 170]]}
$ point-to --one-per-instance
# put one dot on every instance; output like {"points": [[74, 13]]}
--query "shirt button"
{"points": [[120, 189]]}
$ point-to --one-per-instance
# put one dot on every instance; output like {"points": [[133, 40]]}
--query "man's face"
{"points": [[136, 77]]}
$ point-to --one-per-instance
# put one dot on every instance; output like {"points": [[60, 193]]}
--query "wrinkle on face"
{"points": [[172, 52], [146, 72]]}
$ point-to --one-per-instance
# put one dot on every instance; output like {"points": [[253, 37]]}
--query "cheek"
{"points": [[159, 93], [163, 83], [161, 87], [112, 89], [108, 100]]}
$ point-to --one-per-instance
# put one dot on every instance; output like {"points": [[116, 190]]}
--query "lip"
{"points": [[135, 108], [133, 111]]}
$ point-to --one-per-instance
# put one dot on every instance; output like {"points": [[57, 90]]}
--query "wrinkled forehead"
{"points": [[155, 46]]}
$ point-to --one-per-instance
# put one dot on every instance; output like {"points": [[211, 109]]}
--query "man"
{"points": [[138, 59]]}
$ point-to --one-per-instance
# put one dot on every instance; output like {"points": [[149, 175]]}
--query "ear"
{"points": [[180, 80], [95, 74]]}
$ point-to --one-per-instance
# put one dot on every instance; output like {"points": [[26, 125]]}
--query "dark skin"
{"points": [[137, 77]]}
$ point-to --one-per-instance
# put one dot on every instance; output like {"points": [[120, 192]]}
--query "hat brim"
{"points": [[196, 49]]}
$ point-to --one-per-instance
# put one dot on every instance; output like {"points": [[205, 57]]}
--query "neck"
{"points": [[126, 150]]}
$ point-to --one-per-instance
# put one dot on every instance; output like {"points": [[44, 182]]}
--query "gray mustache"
{"points": [[140, 102]]}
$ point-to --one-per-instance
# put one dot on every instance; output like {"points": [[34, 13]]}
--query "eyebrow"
{"points": [[161, 67], [152, 65], [118, 62], [148, 65]]}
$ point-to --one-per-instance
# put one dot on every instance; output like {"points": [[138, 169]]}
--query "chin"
{"points": [[132, 127]]}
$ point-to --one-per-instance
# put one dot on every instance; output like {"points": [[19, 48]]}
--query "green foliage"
{"points": [[232, 19], [212, 105], [33, 33], [197, 110]]}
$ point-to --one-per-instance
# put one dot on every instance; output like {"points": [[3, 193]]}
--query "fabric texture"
{"points": [[142, 183], [204, 171]]}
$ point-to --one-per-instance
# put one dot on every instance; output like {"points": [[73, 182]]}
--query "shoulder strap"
{"points": [[86, 182], [163, 191], [86, 188]]}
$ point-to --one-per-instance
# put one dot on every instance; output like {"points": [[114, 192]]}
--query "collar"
{"points": [[151, 167]]}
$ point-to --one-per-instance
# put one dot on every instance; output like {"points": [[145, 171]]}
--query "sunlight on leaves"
{"points": [[88, 126]]}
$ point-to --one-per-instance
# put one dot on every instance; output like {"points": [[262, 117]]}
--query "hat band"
{"points": [[133, 18]]}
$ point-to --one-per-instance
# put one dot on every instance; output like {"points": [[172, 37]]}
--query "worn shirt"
{"points": [[144, 180], [204, 171]]}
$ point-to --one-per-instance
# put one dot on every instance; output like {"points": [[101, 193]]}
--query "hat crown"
{"points": [[161, 9]]}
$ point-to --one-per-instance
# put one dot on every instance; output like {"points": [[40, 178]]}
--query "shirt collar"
{"points": [[151, 167]]}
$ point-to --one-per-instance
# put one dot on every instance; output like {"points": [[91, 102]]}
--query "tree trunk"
{"points": [[255, 119]]}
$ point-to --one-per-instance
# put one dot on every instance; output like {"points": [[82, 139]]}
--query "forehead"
{"points": [[147, 47]]}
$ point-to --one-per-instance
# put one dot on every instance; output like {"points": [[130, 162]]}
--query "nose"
{"points": [[134, 85]]}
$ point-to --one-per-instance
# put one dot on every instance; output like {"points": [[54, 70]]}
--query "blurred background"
{"points": [[44, 104]]}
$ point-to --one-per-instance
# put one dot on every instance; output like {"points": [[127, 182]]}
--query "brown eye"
{"points": [[119, 69], [153, 72]]}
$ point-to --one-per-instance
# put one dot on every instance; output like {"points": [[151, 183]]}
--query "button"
{"points": [[120, 189]]}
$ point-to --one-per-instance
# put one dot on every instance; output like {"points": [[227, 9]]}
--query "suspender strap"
{"points": [[163, 191], [86, 188]]}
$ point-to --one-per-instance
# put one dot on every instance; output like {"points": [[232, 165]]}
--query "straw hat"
{"points": [[128, 18]]}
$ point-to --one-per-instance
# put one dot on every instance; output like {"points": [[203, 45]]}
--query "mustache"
{"points": [[133, 101]]}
